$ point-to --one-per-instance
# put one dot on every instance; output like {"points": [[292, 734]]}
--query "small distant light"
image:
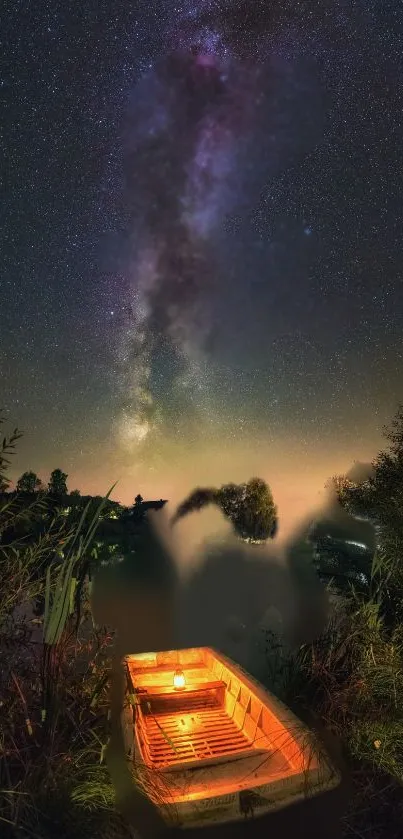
{"points": [[308, 231], [179, 680]]}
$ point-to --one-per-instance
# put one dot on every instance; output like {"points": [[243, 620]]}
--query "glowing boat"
{"points": [[209, 744]]}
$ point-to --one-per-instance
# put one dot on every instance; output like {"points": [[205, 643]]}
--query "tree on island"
{"points": [[249, 507], [57, 483], [29, 483]]}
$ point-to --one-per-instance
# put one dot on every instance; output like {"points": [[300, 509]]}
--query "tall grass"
{"points": [[351, 677], [54, 673]]}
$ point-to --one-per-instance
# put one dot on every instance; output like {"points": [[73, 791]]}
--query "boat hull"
{"points": [[223, 749]]}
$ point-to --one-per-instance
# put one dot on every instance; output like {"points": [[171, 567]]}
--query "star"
{"points": [[165, 171]]}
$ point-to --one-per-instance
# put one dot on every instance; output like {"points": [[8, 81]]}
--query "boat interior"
{"points": [[194, 709]]}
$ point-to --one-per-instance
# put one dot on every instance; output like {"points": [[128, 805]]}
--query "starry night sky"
{"points": [[201, 238]]}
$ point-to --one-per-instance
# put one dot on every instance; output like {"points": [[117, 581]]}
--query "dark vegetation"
{"points": [[55, 664], [249, 507]]}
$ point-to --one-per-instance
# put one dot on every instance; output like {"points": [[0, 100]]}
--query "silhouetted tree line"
{"points": [[344, 538]]}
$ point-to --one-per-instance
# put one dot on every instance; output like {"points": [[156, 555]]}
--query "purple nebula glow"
{"points": [[197, 109]]}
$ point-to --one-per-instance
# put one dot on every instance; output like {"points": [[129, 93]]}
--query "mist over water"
{"points": [[196, 584], [225, 597]]}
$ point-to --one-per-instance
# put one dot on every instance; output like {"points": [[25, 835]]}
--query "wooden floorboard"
{"points": [[201, 733]]}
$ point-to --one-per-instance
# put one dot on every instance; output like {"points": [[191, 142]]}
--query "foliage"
{"points": [[29, 483], [21, 560], [7, 448], [255, 516], [53, 679], [379, 499], [58, 483], [249, 507], [54, 728], [352, 675]]}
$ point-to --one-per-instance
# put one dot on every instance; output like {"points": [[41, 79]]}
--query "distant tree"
{"points": [[75, 493], [341, 486], [137, 511], [57, 484], [230, 498], [249, 507], [4, 484], [372, 501], [256, 517], [7, 448], [29, 482]]}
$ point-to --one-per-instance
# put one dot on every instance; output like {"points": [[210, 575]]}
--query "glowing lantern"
{"points": [[179, 680], [233, 726]]}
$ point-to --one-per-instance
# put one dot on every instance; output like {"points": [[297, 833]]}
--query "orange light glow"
{"points": [[199, 711], [179, 680]]}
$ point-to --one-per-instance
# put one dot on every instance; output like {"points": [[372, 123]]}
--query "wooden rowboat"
{"points": [[209, 744]]}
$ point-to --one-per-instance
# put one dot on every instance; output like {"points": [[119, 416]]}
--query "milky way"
{"points": [[195, 107]]}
